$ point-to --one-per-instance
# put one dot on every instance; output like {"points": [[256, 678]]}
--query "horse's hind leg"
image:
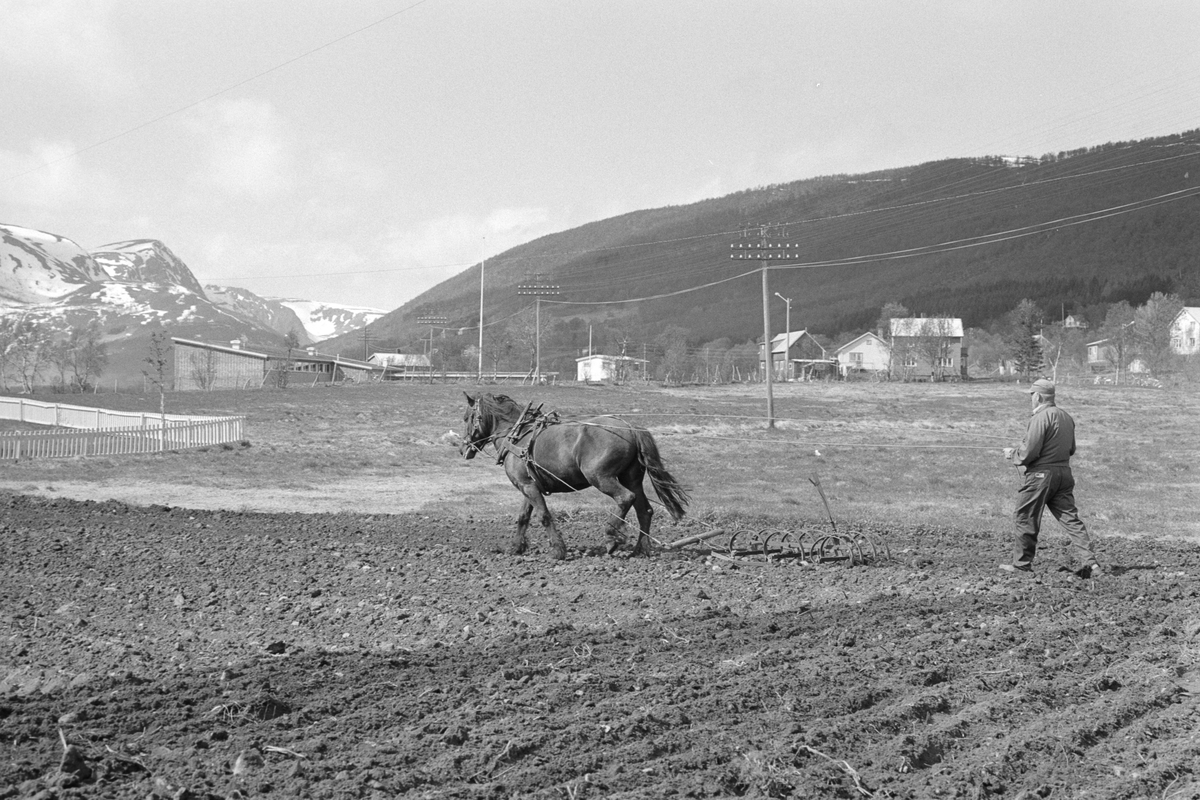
{"points": [[644, 511], [519, 541], [614, 533]]}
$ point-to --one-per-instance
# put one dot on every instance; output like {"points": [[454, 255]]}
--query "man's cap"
{"points": [[1042, 386]]}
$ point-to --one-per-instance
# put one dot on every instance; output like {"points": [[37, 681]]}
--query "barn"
{"points": [[204, 366]]}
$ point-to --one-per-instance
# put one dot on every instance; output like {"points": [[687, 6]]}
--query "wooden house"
{"points": [[867, 355], [797, 354]]}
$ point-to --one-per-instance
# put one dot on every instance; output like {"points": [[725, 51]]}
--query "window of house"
{"points": [[910, 361], [945, 362], [856, 358]]}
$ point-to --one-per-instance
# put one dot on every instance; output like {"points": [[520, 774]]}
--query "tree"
{"points": [[89, 355], [30, 350], [202, 368], [883, 327], [1152, 331], [1021, 337], [934, 340], [1117, 335], [1064, 350], [157, 361], [673, 343], [291, 341]]}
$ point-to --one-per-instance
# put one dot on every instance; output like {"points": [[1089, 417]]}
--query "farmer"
{"points": [[1044, 460]]}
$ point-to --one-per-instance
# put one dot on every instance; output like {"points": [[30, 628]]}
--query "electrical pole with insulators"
{"points": [[537, 288], [432, 320], [764, 251]]}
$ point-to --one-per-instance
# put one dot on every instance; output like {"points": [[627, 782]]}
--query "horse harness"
{"points": [[531, 422]]}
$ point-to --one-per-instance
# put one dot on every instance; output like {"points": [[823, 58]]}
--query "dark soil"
{"points": [[161, 652]]}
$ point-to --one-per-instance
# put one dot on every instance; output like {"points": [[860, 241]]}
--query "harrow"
{"points": [[778, 544]]}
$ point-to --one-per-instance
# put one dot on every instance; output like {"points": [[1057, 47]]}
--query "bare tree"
{"points": [[88, 355], [157, 361], [30, 350], [203, 369], [934, 342]]}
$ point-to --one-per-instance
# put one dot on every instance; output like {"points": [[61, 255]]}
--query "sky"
{"points": [[362, 151]]}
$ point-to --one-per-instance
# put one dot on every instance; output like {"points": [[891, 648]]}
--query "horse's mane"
{"points": [[493, 406]]}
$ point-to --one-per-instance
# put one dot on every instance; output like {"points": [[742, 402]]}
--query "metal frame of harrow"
{"points": [[817, 547]]}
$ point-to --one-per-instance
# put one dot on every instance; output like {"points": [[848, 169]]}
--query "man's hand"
{"points": [[1008, 453]]}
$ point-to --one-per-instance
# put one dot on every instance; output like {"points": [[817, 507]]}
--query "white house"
{"points": [[400, 365], [927, 346], [598, 368], [1185, 331], [868, 353]]}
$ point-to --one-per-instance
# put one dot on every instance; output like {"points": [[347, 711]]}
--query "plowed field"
{"points": [[187, 653]]}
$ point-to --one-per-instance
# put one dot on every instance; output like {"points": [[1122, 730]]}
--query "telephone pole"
{"points": [[432, 320], [366, 337], [538, 288], [764, 250]]}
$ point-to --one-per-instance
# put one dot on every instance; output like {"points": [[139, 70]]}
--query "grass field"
{"points": [[910, 453]]}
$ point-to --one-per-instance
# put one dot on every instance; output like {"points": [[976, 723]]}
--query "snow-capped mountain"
{"points": [[269, 313], [132, 288], [146, 261], [36, 266], [327, 320]]}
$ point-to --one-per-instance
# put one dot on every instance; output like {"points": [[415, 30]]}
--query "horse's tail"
{"points": [[674, 495]]}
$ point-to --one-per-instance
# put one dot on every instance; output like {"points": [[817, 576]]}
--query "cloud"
{"points": [[460, 241], [247, 150], [47, 177], [69, 38]]}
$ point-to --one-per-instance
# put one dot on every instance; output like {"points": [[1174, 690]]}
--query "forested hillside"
{"points": [[968, 238]]}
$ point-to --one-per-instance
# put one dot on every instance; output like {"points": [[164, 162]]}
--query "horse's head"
{"points": [[477, 429]]}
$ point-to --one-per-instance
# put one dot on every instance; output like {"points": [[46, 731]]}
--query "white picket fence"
{"points": [[101, 432]]}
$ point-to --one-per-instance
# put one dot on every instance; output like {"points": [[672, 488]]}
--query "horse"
{"points": [[544, 455]]}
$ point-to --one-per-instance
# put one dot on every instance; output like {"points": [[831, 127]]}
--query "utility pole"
{"points": [[764, 251], [482, 266], [537, 289], [432, 320], [366, 337], [787, 339]]}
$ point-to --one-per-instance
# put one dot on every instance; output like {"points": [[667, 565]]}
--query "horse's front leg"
{"points": [[558, 548], [519, 541]]}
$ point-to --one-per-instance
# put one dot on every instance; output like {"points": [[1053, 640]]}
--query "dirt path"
{"points": [[191, 653]]}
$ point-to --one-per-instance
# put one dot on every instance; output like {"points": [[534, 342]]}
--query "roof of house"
{"points": [[1191, 311], [601, 357], [400, 359], [777, 341], [850, 345], [916, 326], [266, 353]]}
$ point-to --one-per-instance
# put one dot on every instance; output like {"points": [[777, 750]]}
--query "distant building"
{"points": [[600, 368], [206, 366], [797, 353], [397, 366], [927, 348], [1185, 331], [1073, 321], [866, 355]]}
